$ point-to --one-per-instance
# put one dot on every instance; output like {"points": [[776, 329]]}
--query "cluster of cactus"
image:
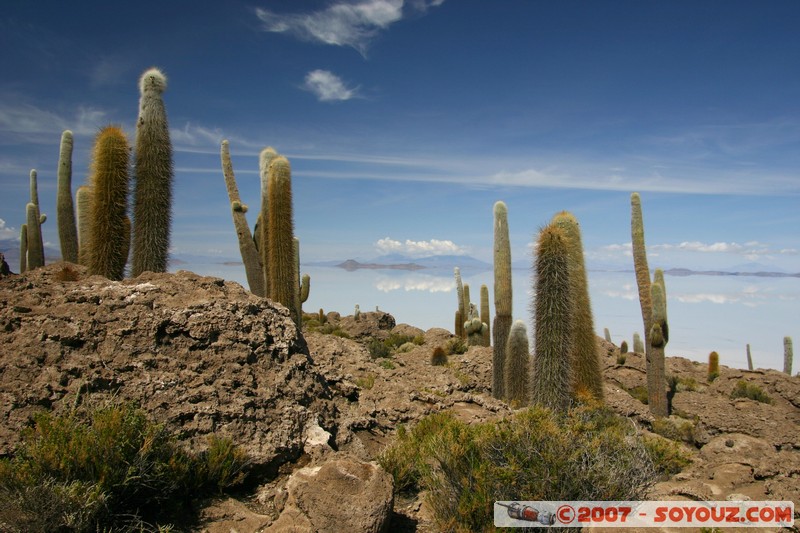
{"points": [[654, 347], [102, 237], [470, 322], [31, 251], [271, 253], [474, 328], [502, 298]]}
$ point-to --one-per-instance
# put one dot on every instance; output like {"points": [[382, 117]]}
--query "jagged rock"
{"points": [[197, 353], [340, 495]]}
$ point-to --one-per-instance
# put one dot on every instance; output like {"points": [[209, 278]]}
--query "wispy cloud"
{"points": [[353, 24], [7, 232], [328, 87], [27, 121], [419, 248]]}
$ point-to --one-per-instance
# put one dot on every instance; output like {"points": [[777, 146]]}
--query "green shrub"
{"points": [[109, 467], [743, 389], [378, 349], [366, 382], [456, 346], [668, 457], [674, 429], [687, 384], [639, 392], [584, 454], [387, 364]]}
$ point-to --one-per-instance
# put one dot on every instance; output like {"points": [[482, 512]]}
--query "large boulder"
{"points": [[197, 353]]}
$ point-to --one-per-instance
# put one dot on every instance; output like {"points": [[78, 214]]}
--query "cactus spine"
{"points": [[108, 249], [585, 360], [65, 210], [713, 366], [659, 336], [247, 247], [280, 228], [638, 345], [34, 231], [502, 297], [154, 176], [552, 369], [23, 246], [518, 365], [83, 199], [788, 355], [485, 318], [749, 359]]}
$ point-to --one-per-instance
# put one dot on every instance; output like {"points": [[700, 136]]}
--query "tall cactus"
{"points": [[280, 227], [83, 199], [552, 369], [260, 231], [152, 203], [585, 359], [640, 265], [659, 336], [788, 355], [518, 365], [108, 249], [34, 231], [462, 312], [485, 315], [502, 297], [65, 209], [247, 247]]}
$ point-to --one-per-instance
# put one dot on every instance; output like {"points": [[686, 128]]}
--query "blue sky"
{"points": [[405, 121]]}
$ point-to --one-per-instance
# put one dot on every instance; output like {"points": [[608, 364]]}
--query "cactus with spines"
{"points": [[108, 248], [623, 347], [713, 366], [459, 325], [462, 308], [34, 231], [474, 328], [659, 336], [788, 355], [552, 307], [749, 359], [261, 230], [34, 187], [438, 357], [247, 247], [485, 318], [152, 199], [502, 297], [357, 314], [638, 345], [518, 365], [65, 209], [23, 247], [280, 228], [640, 266], [83, 201], [585, 359]]}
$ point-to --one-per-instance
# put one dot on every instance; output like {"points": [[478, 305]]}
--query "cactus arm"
{"points": [[247, 248]]}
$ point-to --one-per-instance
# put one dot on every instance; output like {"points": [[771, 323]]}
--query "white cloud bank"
{"points": [[351, 23], [6, 232], [328, 87], [418, 248]]}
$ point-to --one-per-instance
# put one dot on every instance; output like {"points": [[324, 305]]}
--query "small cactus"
{"points": [[607, 335], [713, 366], [638, 345], [65, 209], [518, 365], [485, 318], [749, 359], [34, 234], [357, 314], [552, 369], [153, 169], [623, 347], [438, 357], [788, 355]]}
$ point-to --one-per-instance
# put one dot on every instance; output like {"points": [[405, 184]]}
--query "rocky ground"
{"points": [[314, 410]]}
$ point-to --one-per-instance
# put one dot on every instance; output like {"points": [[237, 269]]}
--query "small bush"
{"points": [[640, 393], [456, 346], [366, 382], [668, 456], [387, 364], [438, 357], [108, 468], [687, 384], [586, 454], [378, 349], [743, 389], [674, 429], [67, 273]]}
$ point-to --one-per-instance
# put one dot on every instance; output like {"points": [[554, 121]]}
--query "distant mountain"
{"points": [[434, 261], [689, 272]]}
